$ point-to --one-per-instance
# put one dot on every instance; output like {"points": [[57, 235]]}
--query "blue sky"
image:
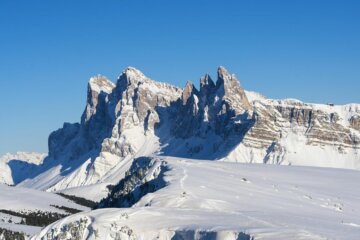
{"points": [[49, 49]]}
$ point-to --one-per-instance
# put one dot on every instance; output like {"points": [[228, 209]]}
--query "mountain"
{"points": [[139, 117], [171, 162]]}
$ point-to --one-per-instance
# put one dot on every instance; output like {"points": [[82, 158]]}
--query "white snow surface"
{"points": [[227, 199], [26, 199], [26, 229], [94, 192]]}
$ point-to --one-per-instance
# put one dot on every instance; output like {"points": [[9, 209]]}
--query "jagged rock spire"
{"points": [[222, 75], [206, 81], [232, 90], [98, 85], [130, 76], [188, 91]]}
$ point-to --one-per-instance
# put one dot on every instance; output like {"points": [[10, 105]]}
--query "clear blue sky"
{"points": [[308, 50]]}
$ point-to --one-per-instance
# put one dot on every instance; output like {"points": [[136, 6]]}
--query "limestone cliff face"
{"points": [[135, 104], [287, 130], [216, 108], [140, 117]]}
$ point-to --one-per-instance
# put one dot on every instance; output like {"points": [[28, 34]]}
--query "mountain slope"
{"points": [[219, 200], [24, 210]]}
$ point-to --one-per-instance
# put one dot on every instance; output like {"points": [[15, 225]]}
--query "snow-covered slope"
{"points": [[219, 200], [27, 201]]}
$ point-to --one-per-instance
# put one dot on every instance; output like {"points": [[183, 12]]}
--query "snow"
{"points": [[254, 96], [317, 156], [14, 167], [5, 218], [151, 86], [91, 178], [94, 192], [5, 176], [296, 151], [28, 230], [263, 201], [26, 199], [44, 180]]}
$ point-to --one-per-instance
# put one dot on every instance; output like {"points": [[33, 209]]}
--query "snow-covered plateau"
{"points": [[208, 162], [219, 200]]}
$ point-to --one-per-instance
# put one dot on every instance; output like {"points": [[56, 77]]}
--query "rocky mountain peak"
{"points": [[206, 82], [224, 78], [130, 76], [228, 86], [222, 74], [207, 87], [188, 91], [100, 83]]}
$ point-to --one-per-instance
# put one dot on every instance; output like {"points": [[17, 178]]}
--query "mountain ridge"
{"points": [[139, 117]]}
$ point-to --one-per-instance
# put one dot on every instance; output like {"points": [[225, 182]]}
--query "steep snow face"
{"points": [[19, 166], [221, 121], [219, 200]]}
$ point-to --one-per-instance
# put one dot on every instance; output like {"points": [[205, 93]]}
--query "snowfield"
{"points": [[25, 200], [220, 200]]}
